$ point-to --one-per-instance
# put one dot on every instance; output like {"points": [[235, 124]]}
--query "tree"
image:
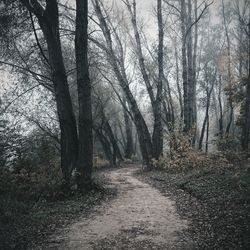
{"points": [[85, 154], [129, 145], [156, 101], [49, 22], [121, 76]]}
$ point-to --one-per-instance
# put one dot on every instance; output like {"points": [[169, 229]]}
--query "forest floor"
{"points": [[206, 208], [215, 200], [139, 217]]}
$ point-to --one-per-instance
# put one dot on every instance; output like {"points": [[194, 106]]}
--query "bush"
{"points": [[228, 144], [190, 160], [182, 156]]}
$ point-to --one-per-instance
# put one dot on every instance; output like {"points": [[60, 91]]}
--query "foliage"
{"points": [[182, 156], [190, 160], [31, 151], [229, 147], [35, 150]]}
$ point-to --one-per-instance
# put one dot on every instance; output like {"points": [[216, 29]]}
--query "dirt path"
{"points": [[140, 217]]}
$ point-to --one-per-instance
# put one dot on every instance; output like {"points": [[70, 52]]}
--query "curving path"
{"points": [[140, 217]]}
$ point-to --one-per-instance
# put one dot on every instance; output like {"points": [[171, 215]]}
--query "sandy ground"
{"points": [[140, 217]]}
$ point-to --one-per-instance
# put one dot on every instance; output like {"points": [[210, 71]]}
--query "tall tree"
{"points": [[85, 155], [144, 137], [156, 101], [49, 22], [246, 123]]}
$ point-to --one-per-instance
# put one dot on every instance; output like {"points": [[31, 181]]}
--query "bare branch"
{"points": [[17, 97], [37, 40], [25, 69], [171, 5], [199, 17]]}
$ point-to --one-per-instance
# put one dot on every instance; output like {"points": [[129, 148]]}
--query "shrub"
{"points": [[182, 156], [228, 144], [190, 160]]}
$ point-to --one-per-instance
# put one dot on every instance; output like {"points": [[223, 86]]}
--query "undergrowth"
{"points": [[32, 204]]}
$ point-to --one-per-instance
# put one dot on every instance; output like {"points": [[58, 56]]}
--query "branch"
{"points": [[199, 17], [34, 6], [37, 40], [171, 5], [45, 129], [17, 97], [25, 69], [116, 92]]}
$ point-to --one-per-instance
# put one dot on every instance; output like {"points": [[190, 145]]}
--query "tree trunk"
{"points": [[156, 102], [49, 23], [105, 145], [116, 150], [85, 156], [129, 148], [230, 101], [246, 124], [140, 124], [206, 119], [190, 67], [186, 101], [221, 110], [157, 137], [207, 134], [178, 81], [194, 74]]}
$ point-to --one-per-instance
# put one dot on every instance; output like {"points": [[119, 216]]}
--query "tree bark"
{"points": [[189, 37], [129, 148], [116, 149], [206, 119], [246, 124], [221, 110], [230, 101], [178, 81], [157, 137], [85, 156], [49, 23], [106, 146], [187, 125], [194, 73]]}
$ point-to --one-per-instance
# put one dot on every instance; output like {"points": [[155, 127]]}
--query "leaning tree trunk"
{"points": [[85, 156], [116, 149], [156, 102], [206, 119], [194, 73], [140, 124], [49, 23]]}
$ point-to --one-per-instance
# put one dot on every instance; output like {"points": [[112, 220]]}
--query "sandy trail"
{"points": [[140, 217]]}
